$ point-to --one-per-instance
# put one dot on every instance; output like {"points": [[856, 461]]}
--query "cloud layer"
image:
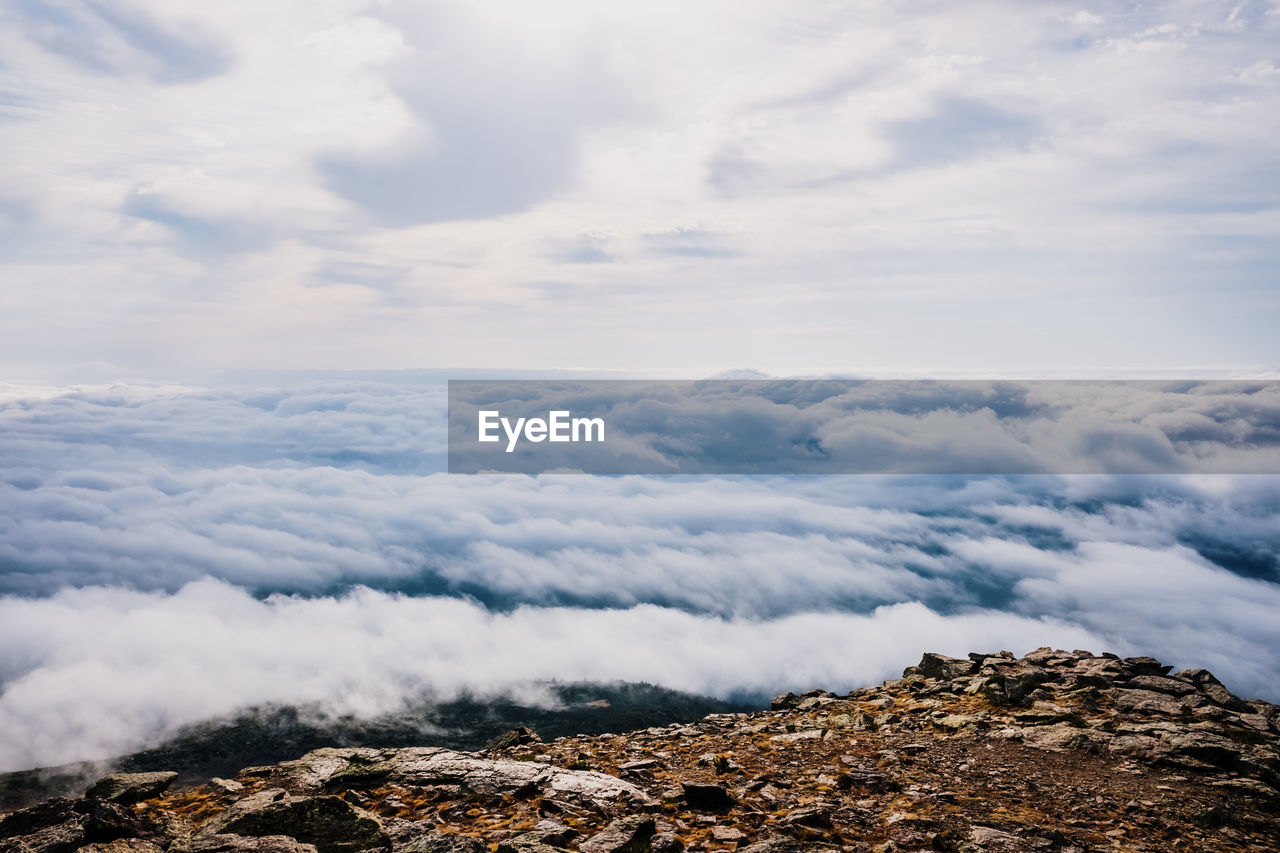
{"points": [[170, 553]]}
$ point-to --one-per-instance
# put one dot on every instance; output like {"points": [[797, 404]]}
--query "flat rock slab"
{"points": [[128, 788], [336, 769]]}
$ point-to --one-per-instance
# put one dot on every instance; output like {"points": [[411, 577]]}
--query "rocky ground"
{"points": [[1057, 751]]}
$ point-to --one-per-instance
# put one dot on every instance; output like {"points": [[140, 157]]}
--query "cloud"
{"points": [[117, 39], [109, 670], [250, 531], [958, 128], [500, 136], [992, 188]]}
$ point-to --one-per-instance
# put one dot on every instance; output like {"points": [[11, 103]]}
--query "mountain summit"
{"points": [[1054, 751]]}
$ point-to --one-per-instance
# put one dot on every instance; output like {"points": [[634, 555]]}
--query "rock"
{"points": [[1061, 737], [329, 823], [1212, 689], [105, 820], [334, 769], [127, 788], [785, 702], [626, 835], [665, 842], [727, 833], [866, 780], [1197, 749], [956, 722], [548, 833], [243, 844], [40, 816], [990, 840], [793, 737], [124, 845], [1254, 721], [713, 798], [814, 817], [1162, 684], [515, 737], [1137, 746], [934, 665], [1149, 702], [780, 844], [225, 786], [58, 838], [1145, 666], [435, 841]]}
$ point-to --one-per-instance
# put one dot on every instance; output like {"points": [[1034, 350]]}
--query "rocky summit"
{"points": [[1054, 751]]}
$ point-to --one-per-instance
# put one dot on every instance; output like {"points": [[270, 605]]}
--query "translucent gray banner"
{"points": [[826, 426]]}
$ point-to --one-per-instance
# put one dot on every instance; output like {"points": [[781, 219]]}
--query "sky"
{"points": [[377, 184], [242, 245]]}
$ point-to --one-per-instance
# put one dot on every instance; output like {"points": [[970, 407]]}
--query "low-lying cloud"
{"points": [[110, 670], [169, 554]]}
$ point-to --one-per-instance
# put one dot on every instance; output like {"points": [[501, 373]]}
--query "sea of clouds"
{"points": [[172, 553]]}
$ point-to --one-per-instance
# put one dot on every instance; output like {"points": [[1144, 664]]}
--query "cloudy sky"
{"points": [[214, 216], [784, 185]]}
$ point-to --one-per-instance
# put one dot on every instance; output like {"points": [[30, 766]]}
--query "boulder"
{"points": [[703, 797], [986, 839], [1145, 666], [934, 665], [329, 823], [516, 737], [40, 816], [59, 838], [128, 788], [1162, 684], [630, 834], [105, 820], [548, 833], [784, 702], [336, 769], [1149, 702]]}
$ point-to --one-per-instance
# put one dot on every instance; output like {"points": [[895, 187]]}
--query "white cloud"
{"points": [[1005, 184], [113, 670]]}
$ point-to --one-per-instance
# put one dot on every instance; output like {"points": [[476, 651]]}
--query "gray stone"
{"points": [[934, 665], [1162, 684], [127, 788], [626, 835], [333, 769], [330, 823], [1149, 702]]}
